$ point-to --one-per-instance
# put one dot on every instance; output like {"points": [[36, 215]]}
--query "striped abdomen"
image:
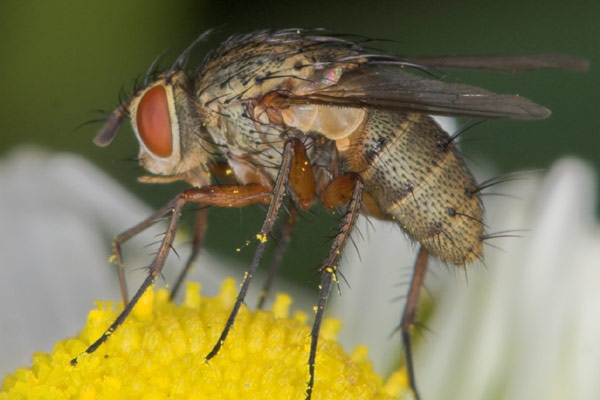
{"points": [[419, 180]]}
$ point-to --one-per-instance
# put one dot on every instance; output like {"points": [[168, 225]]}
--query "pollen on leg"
{"points": [[261, 237]]}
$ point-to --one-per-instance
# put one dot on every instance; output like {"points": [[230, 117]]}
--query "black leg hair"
{"points": [[328, 275], [197, 243]]}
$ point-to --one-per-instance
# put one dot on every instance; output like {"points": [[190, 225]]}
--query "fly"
{"points": [[318, 118]]}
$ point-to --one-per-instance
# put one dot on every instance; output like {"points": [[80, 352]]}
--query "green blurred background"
{"points": [[63, 59]]}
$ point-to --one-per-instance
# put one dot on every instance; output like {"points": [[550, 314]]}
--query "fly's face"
{"points": [[168, 129]]}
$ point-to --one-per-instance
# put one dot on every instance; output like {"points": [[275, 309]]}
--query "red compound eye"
{"points": [[153, 123]]}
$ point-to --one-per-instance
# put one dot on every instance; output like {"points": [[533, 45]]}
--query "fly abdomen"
{"points": [[419, 179]]}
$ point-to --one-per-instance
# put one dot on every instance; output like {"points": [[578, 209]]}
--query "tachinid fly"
{"points": [[320, 119]]}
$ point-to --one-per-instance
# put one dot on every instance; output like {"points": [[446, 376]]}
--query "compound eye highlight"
{"points": [[153, 122]]}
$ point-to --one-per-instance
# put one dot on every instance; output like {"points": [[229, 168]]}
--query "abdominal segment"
{"points": [[417, 177]]}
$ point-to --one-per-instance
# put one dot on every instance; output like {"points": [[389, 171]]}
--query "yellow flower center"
{"points": [[159, 353]]}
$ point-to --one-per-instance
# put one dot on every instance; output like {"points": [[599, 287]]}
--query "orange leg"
{"points": [[339, 190], [302, 179]]}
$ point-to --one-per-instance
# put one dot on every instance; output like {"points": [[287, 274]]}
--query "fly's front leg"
{"points": [[220, 196], [330, 265], [221, 171], [128, 234], [409, 314], [197, 244]]}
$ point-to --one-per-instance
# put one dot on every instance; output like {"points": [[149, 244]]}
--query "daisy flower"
{"points": [[160, 350]]}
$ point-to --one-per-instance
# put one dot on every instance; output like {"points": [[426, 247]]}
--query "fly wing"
{"points": [[389, 87], [514, 64]]}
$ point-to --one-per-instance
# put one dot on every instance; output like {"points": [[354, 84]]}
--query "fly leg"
{"points": [[220, 170], [281, 184], [409, 314], [330, 265], [284, 242], [302, 185], [197, 244], [221, 196], [128, 234]]}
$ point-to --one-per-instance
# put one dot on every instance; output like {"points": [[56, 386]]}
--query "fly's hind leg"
{"points": [[409, 314], [346, 189]]}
